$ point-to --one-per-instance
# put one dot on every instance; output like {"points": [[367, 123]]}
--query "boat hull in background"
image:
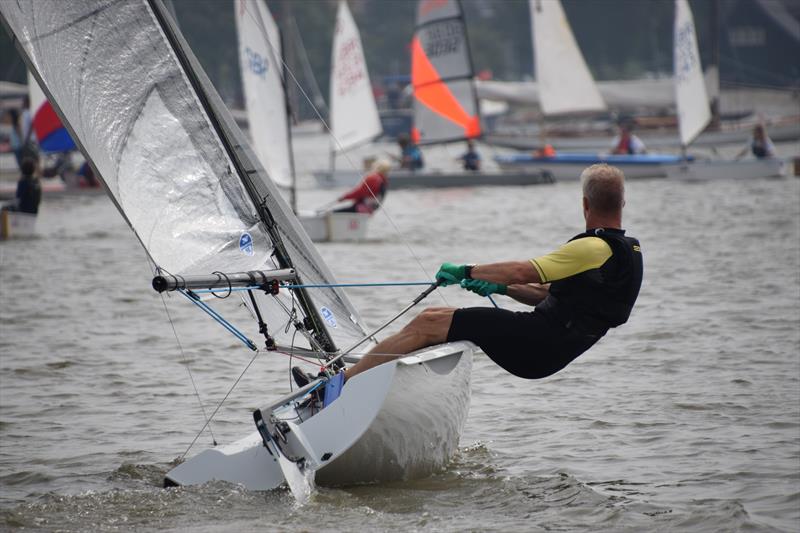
{"points": [[17, 225], [748, 169], [399, 420], [568, 167], [433, 179], [336, 227]]}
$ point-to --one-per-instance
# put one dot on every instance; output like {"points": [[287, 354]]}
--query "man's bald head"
{"points": [[604, 188]]}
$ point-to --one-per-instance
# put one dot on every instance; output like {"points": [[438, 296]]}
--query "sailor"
{"points": [[370, 192], [579, 292], [626, 143], [471, 159], [410, 154], [29, 189], [760, 145]]}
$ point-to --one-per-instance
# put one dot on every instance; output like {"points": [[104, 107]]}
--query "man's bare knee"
{"points": [[431, 325]]}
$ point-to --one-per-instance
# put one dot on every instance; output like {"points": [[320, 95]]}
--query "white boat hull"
{"points": [[568, 166], [399, 420], [747, 169], [17, 225], [336, 227], [426, 179]]}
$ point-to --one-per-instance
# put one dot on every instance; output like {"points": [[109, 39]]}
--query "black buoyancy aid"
{"points": [[603, 297]]}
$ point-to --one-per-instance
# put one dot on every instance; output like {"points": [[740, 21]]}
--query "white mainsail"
{"points": [[691, 98], [134, 97], [261, 63], [564, 81], [354, 114]]}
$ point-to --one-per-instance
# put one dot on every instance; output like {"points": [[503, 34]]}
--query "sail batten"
{"points": [[445, 102], [176, 166]]}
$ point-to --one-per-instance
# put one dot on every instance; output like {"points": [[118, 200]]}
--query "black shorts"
{"points": [[527, 344]]}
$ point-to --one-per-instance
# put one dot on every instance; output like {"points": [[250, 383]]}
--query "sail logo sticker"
{"points": [[327, 315], [246, 244], [257, 63]]}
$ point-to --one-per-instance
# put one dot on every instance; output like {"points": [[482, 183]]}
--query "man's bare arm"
{"points": [[508, 273], [529, 293]]}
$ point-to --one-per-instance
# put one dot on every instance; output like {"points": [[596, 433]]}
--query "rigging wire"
{"points": [[219, 405], [184, 360]]}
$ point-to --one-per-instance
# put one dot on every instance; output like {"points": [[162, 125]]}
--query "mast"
{"points": [[288, 106], [714, 63], [210, 101], [471, 65]]}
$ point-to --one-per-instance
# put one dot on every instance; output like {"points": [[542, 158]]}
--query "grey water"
{"points": [[687, 418]]}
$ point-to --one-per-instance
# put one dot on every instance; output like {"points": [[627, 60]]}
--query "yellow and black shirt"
{"points": [[595, 279]]}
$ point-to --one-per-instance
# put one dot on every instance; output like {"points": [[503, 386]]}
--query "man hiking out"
{"points": [[579, 291]]}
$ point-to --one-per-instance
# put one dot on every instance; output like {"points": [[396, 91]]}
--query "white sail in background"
{"points": [[354, 114], [262, 81], [564, 81], [691, 97], [36, 97], [135, 99]]}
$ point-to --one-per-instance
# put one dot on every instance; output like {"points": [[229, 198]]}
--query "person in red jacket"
{"points": [[368, 195]]}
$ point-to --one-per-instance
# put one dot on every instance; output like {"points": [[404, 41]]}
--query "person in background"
{"points": [[10, 124], [760, 145], [545, 151], [410, 154], [26, 122], [29, 189], [370, 192], [471, 158], [626, 143]]}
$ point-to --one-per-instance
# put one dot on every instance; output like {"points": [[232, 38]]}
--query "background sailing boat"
{"points": [[264, 83], [694, 112], [354, 118], [566, 85]]}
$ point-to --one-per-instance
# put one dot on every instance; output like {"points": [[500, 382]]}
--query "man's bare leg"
{"points": [[426, 329]]}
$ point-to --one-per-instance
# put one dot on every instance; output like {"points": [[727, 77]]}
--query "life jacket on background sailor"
{"points": [[370, 192]]}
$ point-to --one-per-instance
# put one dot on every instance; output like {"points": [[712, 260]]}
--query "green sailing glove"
{"points": [[451, 273], [484, 288]]}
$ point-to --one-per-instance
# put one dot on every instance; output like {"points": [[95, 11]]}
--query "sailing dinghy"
{"points": [[446, 106], [264, 82], [566, 86], [694, 112], [135, 99], [354, 118]]}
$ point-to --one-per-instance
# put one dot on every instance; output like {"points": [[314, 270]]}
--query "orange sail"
{"points": [[445, 106]]}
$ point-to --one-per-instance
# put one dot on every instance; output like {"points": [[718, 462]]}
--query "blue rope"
{"points": [[227, 325], [316, 286], [492, 300]]}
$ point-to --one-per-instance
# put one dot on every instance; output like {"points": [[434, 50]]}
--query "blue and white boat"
{"points": [[568, 166]]}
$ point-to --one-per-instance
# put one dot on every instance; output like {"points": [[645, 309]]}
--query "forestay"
{"points": [[354, 114], [260, 58], [134, 97], [564, 82], [691, 97], [446, 105]]}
